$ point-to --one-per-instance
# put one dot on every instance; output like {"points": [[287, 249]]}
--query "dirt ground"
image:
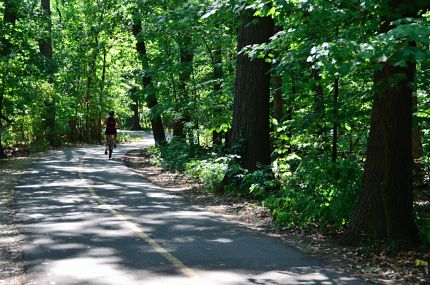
{"points": [[11, 267]]}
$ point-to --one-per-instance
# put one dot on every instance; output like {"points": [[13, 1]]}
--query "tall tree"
{"points": [[217, 87], [186, 55], [335, 119], [385, 205], [151, 100], [45, 46], [251, 105], [10, 15]]}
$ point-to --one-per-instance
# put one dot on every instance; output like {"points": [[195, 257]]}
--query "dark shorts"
{"points": [[110, 132]]}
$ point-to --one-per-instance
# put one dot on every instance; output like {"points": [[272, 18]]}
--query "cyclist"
{"points": [[111, 124]]}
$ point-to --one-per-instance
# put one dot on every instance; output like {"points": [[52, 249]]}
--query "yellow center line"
{"points": [[138, 230]]}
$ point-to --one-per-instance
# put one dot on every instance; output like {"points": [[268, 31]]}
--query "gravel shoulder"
{"points": [[11, 266]]}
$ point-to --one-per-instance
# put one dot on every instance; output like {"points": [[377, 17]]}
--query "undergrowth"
{"points": [[298, 191]]}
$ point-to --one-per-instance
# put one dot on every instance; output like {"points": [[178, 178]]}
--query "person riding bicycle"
{"points": [[111, 124]]}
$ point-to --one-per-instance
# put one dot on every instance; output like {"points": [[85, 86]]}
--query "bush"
{"points": [[209, 171], [318, 191], [174, 155]]}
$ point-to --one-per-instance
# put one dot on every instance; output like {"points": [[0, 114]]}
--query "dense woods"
{"points": [[319, 108]]}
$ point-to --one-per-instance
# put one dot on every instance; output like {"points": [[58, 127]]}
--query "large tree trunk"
{"points": [[368, 215], [151, 100], [9, 18], [90, 120], [397, 184], [45, 47], [251, 105], [186, 57], [100, 107], [385, 205], [2, 154], [10, 15], [135, 119], [217, 76]]}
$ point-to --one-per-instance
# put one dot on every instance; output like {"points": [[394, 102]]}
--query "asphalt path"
{"points": [[89, 220]]}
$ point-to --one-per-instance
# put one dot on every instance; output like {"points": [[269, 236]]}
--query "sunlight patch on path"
{"points": [[139, 231]]}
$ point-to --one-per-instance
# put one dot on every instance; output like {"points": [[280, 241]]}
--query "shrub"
{"points": [[208, 171], [318, 191]]}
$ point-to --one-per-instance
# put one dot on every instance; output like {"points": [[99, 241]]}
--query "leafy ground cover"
{"points": [[377, 262]]}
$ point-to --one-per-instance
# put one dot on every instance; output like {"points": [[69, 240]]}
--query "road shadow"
{"points": [[74, 237]]}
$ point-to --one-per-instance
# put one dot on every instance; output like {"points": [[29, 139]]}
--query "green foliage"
{"points": [[317, 191], [209, 171], [96, 68], [201, 164], [259, 183], [175, 155], [424, 229]]}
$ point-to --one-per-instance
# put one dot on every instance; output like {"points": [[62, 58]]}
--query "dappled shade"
{"points": [[73, 235]]}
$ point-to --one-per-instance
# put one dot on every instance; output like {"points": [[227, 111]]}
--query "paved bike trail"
{"points": [[89, 220]]}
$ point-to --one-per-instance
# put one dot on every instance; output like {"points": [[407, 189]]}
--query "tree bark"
{"points": [[91, 77], [385, 205], [319, 106], [2, 153], [186, 58], [135, 119], [397, 183], [218, 77], [335, 119], [151, 100], [100, 107], [251, 106], [10, 15], [368, 214], [45, 47]]}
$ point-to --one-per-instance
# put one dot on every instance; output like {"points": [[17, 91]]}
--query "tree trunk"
{"points": [[385, 205], [251, 105], [135, 120], [100, 107], [368, 215], [45, 47], [151, 100], [91, 75], [186, 58], [335, 119], [10, 15], [218, 77], [397, 183], [319, 107], [2, 153]]}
